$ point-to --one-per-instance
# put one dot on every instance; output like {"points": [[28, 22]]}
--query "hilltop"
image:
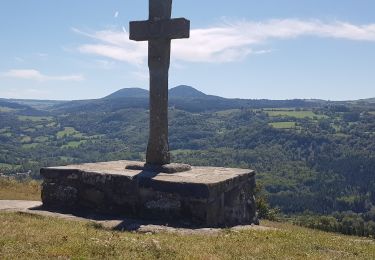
{"points": [[129, 93], [181, 91], [184, 91]]}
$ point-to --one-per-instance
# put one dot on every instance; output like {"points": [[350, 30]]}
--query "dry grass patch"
{"points": [[19, 190]]}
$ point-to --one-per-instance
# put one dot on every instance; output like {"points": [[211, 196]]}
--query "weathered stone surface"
{"points": [[59, 195], [159, 30], [166, 168], [205, 196]]}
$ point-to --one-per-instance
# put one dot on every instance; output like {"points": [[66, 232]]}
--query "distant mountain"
{"points": [[129, 93], [181, 97], [184, 91], [181, 91]]}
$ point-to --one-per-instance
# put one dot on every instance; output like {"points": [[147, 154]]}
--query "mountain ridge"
{"points": [[181, 91], [182, 97]]}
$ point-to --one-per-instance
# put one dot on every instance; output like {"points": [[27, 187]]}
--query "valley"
{"points": [[312, 157]]}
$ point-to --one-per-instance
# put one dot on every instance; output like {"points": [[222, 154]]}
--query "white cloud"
{"points": [[31, 74], [225, 43], [114, 45]]}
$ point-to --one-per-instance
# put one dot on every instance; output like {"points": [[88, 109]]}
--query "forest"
{"points": [[315, 160]]}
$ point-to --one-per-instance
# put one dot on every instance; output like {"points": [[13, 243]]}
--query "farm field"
{"points": [[293, 113], [283, 125]]}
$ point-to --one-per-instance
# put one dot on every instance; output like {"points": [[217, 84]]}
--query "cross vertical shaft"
{"points": [[158, 62], [159, 30]]}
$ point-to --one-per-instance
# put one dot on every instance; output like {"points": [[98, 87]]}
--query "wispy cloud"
{"points": [[228, 42], [114, 45], [31, 74]]}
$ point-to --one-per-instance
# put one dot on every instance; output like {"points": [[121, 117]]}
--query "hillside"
{"points": [[181, 97], [129, 93], [316, 159], [184, 91]]}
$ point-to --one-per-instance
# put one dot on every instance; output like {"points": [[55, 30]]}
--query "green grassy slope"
{"points": [[24, 236]]}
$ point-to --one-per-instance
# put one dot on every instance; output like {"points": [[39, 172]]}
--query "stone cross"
{"points": [[159, 30]]}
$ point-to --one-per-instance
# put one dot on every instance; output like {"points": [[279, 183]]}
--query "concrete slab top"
{"points": [[197, 175]]}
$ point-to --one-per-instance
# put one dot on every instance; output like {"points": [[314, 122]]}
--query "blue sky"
{"points": [[276, 49]]}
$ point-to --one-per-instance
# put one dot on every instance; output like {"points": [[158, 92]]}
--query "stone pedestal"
{"points": [[203, 196]]}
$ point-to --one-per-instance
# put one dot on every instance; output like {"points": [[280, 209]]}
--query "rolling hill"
{"points": [[129, 93], [181, 97], [306, 152]]}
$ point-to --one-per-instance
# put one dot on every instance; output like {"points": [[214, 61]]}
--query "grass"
{"points": [[5, 166], [73, 144], [41, 139], [295, 114], [179, 151], [66, 159], [68, 131], [4, 130], [35, 118], [51, 124], [341, 135], [16, 190], [7, 134], [25, 139], [29, 130], [30, 146], [25, 236], [6, 109], [283, 125], [8, 167], [227, 112]]}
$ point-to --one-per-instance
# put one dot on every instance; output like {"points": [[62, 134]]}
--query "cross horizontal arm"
{"points": [[164, 29]]}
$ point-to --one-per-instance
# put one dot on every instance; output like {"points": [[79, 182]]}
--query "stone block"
{"points": [[202, 196]]}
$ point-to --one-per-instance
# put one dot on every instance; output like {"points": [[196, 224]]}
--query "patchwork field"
{"points": [[283, 125], [35, 118], [68, 131], [7, 109], [293, 113]]}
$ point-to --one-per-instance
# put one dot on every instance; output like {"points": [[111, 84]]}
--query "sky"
{"points": [[273, 49]]}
